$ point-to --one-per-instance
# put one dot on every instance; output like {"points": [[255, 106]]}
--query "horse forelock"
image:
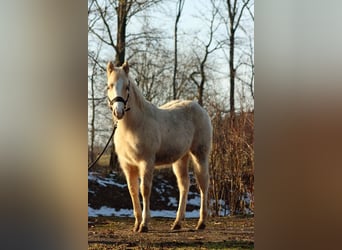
{"points": [[116, 74]]}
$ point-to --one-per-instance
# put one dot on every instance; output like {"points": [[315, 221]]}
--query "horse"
{"points": [[148, 136]]}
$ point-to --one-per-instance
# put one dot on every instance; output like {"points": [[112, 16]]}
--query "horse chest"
{"points": [[133, 150]]}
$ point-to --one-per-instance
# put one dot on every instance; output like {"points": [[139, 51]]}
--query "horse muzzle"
{"points": [[118, 111], [118, 107]]}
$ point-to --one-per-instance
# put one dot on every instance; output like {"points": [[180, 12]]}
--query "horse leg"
{"points": [[180, 169], [201, 169], [132, 177], [146, 175]]}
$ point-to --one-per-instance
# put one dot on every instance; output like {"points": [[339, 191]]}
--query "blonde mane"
{"points": [[137, 94]]}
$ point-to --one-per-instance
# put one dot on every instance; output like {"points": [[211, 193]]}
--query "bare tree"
{"points": [[105, 30], [199, 76], [93, 105], [151, 65], [246, 59], [180, 5], [235, 10]]}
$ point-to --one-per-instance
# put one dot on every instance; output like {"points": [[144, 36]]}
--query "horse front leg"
{"points": [[146, 175], [132, 177]]}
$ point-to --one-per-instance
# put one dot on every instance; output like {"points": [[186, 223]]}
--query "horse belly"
{"points": [[166, 158], [175, 143], [171, 154]]}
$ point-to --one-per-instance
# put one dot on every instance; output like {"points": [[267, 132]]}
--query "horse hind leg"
{"points": [[201, 169], [180, 169]]}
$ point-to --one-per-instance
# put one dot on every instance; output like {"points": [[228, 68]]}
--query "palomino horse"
{"points": [[148, 136]]}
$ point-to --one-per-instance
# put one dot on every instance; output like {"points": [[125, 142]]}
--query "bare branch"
{"points": [[109, 31], [240, 13]]}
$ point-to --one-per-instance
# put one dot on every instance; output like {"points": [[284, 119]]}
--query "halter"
{"points": [[120, 99]]}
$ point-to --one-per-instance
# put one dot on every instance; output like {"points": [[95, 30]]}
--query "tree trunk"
{"points": [[180, 5], [122, 12], [121, 32], [232, 71], [92, 139], [201, 86]]}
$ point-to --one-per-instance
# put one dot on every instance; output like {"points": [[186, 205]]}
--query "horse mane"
{"points": [[137, 94]]}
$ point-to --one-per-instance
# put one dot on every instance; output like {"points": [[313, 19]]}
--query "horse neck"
{"points": [[137, 107]]}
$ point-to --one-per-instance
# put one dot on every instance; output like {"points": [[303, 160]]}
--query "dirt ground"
{"points": [[220, 233]]}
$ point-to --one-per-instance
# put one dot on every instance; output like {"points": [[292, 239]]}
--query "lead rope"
{"points": [[104, 149]]}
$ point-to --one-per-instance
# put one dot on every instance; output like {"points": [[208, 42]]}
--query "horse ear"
{"points": [[125, 67], [110, 68]]}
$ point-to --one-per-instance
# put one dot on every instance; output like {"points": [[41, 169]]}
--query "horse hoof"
{"points": [[200, 226], [135, 229], [176, 227], [143, 229]]}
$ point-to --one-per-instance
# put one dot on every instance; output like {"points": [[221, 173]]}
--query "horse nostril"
{"points": [[119, 113]]}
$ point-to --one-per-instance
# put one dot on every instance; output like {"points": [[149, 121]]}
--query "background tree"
{"points": [[199, 74], [180, 5], [93, 58], [151, 65], [235, 9]]}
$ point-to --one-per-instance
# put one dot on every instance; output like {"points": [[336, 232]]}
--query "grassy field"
{"points": [[221, 233]]}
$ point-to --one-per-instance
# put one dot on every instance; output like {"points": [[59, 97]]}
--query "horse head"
{"points": [[118, 89]]}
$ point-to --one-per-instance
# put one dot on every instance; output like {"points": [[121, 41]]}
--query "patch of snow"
{"points": [[223, 207], [104, 211], [173, 202], [159, 191], [248, 211], [195, 201], [163, 213], [221, 203], [91, 177], [124, 212], [172, 213], [224, 213], [107, 211], [192, 214], [105, 182]]}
